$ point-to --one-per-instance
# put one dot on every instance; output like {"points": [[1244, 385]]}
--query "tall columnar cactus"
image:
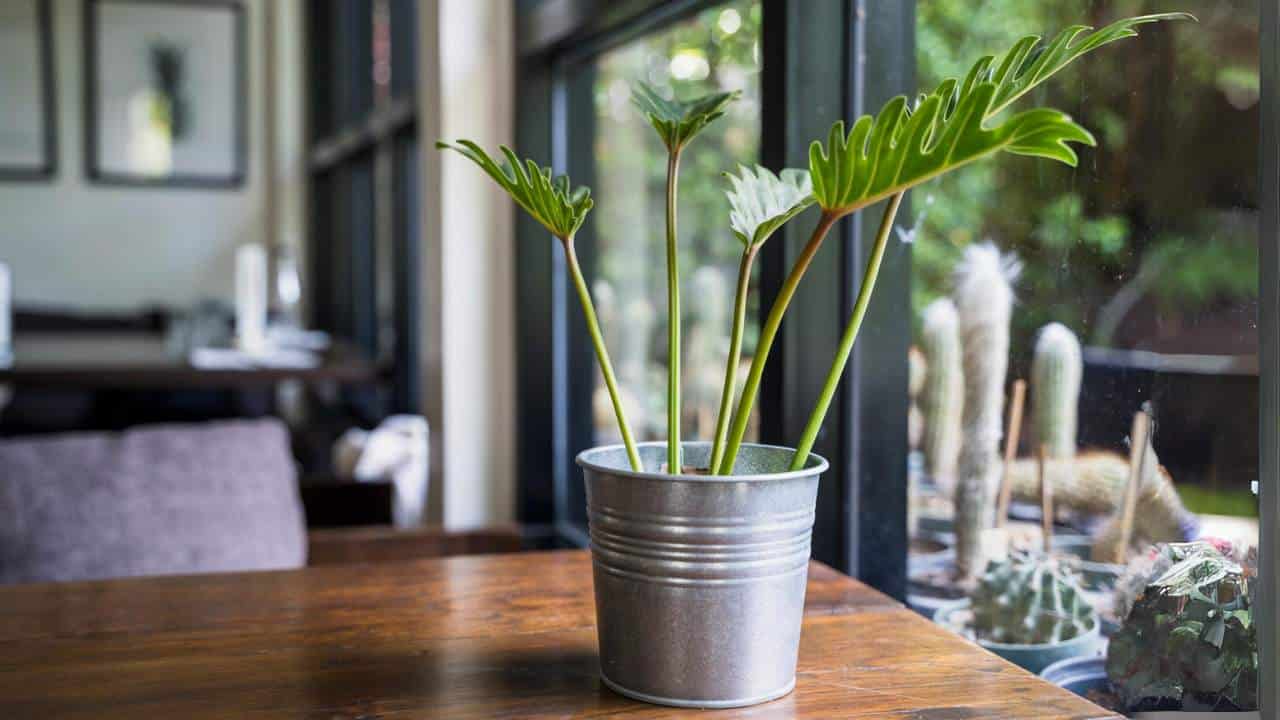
{"points": [[1055, 390], [984, 301], [1030, 600], [942, 400]]}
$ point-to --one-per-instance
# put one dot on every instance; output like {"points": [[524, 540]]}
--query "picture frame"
{"points": [[166, 93], [28, 129]]}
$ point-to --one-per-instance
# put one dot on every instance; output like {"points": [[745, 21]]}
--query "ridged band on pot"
{"points": [[699, 579]]}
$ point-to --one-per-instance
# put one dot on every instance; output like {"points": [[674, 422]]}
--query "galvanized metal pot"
{"points": [[700, 580]]}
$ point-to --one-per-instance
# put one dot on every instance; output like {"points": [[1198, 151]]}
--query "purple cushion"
{"points": [[166, 499]]}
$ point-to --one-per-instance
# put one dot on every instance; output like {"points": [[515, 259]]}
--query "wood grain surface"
{"points": [[505, 636]]}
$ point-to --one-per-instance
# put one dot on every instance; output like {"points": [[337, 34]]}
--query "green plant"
{"points": [[677, 123], [561, 209], [879, 158], [1188, 640], [1030, 600], [760, 203], [903, 146]]}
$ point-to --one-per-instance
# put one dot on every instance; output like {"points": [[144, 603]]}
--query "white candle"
{"points": [[251, 297], [6, 311]]}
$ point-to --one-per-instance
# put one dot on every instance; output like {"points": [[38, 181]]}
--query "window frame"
{"points": [[1268, 616], [357, 152]]}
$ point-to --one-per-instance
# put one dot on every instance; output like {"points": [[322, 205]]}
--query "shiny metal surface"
{"points": [[699, 580]]}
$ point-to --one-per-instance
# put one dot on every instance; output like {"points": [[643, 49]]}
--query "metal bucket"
{"points": [[700, 580]]}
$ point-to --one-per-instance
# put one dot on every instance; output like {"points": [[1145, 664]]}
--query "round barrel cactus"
{"points": [[1030, 599]]}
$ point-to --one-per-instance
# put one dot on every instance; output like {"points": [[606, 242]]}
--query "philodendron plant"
{"points": [[877, 159]]}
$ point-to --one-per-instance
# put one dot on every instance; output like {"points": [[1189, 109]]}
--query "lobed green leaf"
{"points": [[679, 121], [761, 202], [904, 146], [550, 199]]}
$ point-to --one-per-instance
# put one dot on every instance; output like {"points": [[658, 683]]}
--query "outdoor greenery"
{"points": [[1158, 227]]}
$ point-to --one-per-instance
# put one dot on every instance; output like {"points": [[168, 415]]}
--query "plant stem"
{"points": [[673, 318], [735, 352], [602, 353], [850, 335], [767, 334]]}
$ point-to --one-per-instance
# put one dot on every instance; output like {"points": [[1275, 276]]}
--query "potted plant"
{"points": [[1029, 610], [1188, 645], [701, 549]]}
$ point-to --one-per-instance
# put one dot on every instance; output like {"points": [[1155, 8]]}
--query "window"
{"points": [[363, 65], [1136, 289]]}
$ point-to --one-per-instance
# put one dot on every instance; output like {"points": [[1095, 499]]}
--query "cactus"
{"points": [[1093, 484], [942, 399], [917, 369], [1030, 600], [1189, 642], [984, 301], [1055, 390]]}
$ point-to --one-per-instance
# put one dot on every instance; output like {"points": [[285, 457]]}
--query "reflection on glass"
{"points": [[1137, 290], [716, 49]]}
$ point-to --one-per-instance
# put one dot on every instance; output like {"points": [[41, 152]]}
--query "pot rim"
{"points": [[815, 465]]}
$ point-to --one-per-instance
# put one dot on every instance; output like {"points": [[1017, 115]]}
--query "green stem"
{"points": [[850, 335], [735, 352], [673, 319], [767, 334], [602, 353]]}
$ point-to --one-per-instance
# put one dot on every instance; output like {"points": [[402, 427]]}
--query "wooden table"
{"points": [[501, 636], [112, 360]]}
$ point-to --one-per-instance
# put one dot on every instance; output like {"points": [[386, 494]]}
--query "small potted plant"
{"points": [[1028, 609], [701, 549], [1188, 646]]}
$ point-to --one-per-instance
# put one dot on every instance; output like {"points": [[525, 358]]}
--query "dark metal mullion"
{"points": [[407, 250], [539, 312], [1268, 616], [377, 126], [880, 56], [861, 522], [577, 106], [803, 97]]}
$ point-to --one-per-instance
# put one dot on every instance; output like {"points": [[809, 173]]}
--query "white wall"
{"points": [[467, 51], [70, 242]]}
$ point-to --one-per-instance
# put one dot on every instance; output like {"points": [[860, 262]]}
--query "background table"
{"points": [[475, 637], [99, 359]]}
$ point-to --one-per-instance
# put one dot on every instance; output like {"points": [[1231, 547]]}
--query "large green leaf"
{"points": [[761, 202], [551, 200], [678, 121], [956, 124]]}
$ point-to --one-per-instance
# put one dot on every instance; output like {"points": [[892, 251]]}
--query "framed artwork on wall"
{"points": [[28, 123], [165, 92]]}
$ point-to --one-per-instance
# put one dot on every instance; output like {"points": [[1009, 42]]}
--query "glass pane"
{"points": [[1145, 259], [718, 48]]}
